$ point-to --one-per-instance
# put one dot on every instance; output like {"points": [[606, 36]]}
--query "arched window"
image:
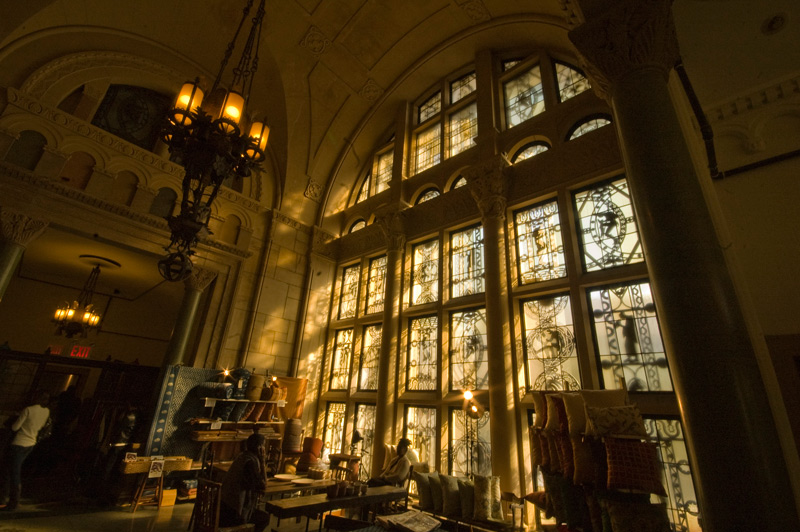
{"points": [[571, 81], [133, 114], [357, 226], [164, 202], [428, 195], [124, 188], [77, 170], [529, 150], [229, 232], [460, 182], [523, 95], [587, 125], [26, 150]]}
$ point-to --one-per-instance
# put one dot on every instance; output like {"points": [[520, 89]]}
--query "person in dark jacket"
{"points": [[242, 487]]}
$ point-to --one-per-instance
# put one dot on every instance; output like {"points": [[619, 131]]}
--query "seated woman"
{"points": [[242, 487], [396, 472]]}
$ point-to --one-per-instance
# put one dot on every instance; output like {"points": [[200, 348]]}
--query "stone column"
{"points": [[738, 466], [391, 221], [17, 231], [488, 184], [194, 284]]}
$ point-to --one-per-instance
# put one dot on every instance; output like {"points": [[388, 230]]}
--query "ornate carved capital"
{"points": [[628, 36], [488, 184], [18, 228], [322, 243], [391, 220], [199, 279]]}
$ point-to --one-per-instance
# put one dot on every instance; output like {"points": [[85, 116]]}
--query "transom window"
{"points": [[462, 87], [379, 175], [524, 96], [529, 150], [428, 195], [571, 82], [588, 125], [375, 286]]}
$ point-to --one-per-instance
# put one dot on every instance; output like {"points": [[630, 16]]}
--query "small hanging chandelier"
{"points": [[209, 142], [79, 316]]}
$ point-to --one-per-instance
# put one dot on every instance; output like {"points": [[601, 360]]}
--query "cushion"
{"points": [[466, 491], [565, 455], [389, 452], [552, 447], [247, 411], [487, 497], [585, 467], [637, 517], [543, 443], [423, 490], [497, 505], [605, 397], [539, 408], [238, 412], [615, 421], [436, 492], [255, 414], [575, 409], [451, 498], [553, 423], [633, 465], [536, 447], [412, 455]]}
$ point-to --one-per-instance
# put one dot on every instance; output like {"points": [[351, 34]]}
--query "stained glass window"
{"points": [[333, 434], [383, 171], [470, 451], [349, 292], [529, 151], [462, 128], [524, 97], [421, 428], [425, 273], [589, 125], [358, 225], [539, 246], [342, 354], [377, 279], [466, 262], [428, 195], [365, 425], [550, 352], [427, 150], [423, 348], [430, 107], [460, 182], [370, 351], [508, 65], [363, 192], [682, 507], [608, 228], [462, 87], [469, 358], [628, 338], [570, 82]]}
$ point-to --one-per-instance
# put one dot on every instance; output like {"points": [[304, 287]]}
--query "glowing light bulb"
{"points": [[468, 395]]}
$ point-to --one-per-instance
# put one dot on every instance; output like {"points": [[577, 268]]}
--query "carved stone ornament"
{"points": [[630, 36], [323, 243], [572, 12], [475, 10], [371, 91], [200, 279], [315, 41], [391, 220], [18, 228], [313, 191], [488, 184]]}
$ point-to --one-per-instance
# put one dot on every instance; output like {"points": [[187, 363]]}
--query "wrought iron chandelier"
{"points": [[207, 140], [79, 316]]}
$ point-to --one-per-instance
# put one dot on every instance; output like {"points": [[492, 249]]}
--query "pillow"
{"points": [[552, 447], [540, 407], [545, 450], [585, 468], [466, 492], [497, 506], [390, 451], [637, 517], [487, 497], [436, 492], [575, 408], [605, 397], [423, 490], [556, 414], [258, 409], [565, 455], [536, 447], [615, 421], [451, 498], [411, 454], [633, 465]]}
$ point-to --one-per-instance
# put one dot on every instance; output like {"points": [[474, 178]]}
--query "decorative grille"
{"points": [[368, 373], [342, 352], [524, 97], [530, 151], [469, 361], [428, 195], [589, 125], [628, 338], [349, 292], [539, 246], [466, 262], [550, 351], [423, 365], [425, 273]]}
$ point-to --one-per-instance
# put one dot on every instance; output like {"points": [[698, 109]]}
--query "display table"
{"points": [[310, 506], [143, 467]]}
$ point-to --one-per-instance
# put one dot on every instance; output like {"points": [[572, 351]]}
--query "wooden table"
{"points": [[275, 487], [310, 506]]}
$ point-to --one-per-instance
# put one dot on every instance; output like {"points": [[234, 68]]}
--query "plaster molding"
{"points": [[199, 279], [19, 228], [278, 216], [313, 191], [631, 36], [371, 91], [475, 9], [315, 41], [572, 13], [323, 243], [776, 93]]}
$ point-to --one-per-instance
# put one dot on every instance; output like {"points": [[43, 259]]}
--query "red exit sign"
{"points": [[80, 351]]}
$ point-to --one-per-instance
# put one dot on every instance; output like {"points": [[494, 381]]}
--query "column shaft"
{"points": [[176, 350], [10, 256]]}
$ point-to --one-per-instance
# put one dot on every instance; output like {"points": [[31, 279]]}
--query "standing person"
{"points": [[397, 471], [242, 486], [27, 427]]}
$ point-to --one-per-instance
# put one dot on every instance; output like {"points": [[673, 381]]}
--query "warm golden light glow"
{"points": [[474, 408], [468, 395], [232, 107], [190, 97], [226, 372]]}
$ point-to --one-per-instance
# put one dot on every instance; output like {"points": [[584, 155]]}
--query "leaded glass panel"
{"points": [[508, 65], [425, 273], [628, 338], [462, 87], [550, 352], [589, 125], [462, 128], [365, 425], [363, 192], [377, 279], [421, 428], [539, 246], [349, 292], [570, 82], [430, 107], [342, 353], [469, 360], [460, 182], [470, 451], [333, 435], [608, 228], [530, 151], [427, 196], [682, 507], [466, 262], [383, 171], [428, 148], [358, 226], [423, 349], [524, 97], [370, 351]]}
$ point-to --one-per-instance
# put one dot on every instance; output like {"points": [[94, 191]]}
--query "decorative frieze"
{"points": [[199, 279], [324, 243], [19, 228], [779, 92]]}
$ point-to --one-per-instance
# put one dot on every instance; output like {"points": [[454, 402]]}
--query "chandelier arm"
{"points": [[244, 69], [231, 45], [254, 64]]}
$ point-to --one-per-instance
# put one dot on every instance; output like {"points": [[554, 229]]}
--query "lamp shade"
{"points": [[259, 133], [190, 97], [231, 110]]}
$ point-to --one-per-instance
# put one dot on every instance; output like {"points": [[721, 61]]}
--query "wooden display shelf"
{"points": [[210, 421]]}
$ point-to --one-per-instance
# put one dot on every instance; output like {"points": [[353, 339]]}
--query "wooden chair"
{"points": [[206, 509], [513, 509]]}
